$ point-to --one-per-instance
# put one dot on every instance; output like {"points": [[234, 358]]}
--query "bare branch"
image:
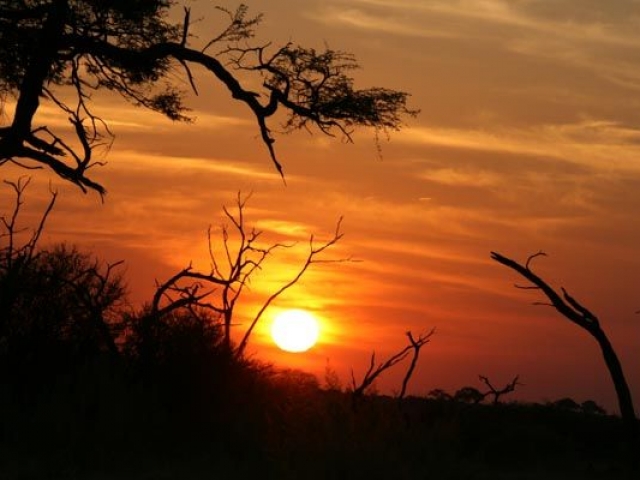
{"points": [[575, 312], [535, 255], [565, 308], [375, 371], [311, 259], [416, 345], [228, 279], [69, 45], [27, 250], [497, 393]]}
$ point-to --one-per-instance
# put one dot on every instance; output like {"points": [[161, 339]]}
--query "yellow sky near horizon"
{"points": [[528, 139]]}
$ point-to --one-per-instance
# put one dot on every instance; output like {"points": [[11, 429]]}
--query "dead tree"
{"points": [[15, 256], [230, 274], [416, 345], [12, 252], [374, 371], [577, 313], [508, 388]]}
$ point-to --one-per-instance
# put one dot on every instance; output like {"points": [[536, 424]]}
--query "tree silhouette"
{"points": [[469, 395], [440, 395], [231, 271], [577, 313], [498, 392], [56, 303], [374, 371], [63, 51]]}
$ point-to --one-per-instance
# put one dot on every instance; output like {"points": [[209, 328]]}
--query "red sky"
{"points": [[528, 139]]}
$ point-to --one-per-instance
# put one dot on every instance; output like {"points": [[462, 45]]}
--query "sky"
{"points": [[528, 140]]}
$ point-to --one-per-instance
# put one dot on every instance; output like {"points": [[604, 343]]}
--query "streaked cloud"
{"points": [[145, 162], [288, 229], [460, 177], [598, 143], [357, 18], [562, 21], [601, 38]]}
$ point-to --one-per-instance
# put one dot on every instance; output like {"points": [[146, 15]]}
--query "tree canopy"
{"points": [[49, 48]]}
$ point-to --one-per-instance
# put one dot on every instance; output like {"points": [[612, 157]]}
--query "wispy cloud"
{"points": [[463, 177], [126, 117], [286, 228], [187, 165], [357, 18], [597, 143], [605, 44], [560, 22]]}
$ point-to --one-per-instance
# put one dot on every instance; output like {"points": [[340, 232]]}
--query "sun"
{"points": [[295, 330]]}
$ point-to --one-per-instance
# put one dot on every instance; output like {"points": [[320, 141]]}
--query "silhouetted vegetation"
{"points": [[91, 388], [61, 52], [577, 313], [374, 371], [219, 289]]}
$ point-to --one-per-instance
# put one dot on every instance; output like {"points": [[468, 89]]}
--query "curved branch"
{"points": [[574, 311]]}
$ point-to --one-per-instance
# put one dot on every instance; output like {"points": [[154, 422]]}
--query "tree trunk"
{"points": [[625, 402]]}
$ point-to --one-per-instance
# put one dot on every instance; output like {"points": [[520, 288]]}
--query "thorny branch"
{"points": [[86, 47]]}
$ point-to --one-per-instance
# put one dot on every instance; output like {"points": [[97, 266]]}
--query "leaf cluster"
{"points": [[137, 49]]}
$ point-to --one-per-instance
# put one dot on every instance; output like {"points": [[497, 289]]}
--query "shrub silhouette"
{"points": [[59, 307], [591, 407], [469, 395]]}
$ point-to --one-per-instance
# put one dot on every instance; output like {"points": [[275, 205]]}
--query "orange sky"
{"points": [[528, 139]]}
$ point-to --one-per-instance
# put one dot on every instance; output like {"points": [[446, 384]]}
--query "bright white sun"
{"points": [[295, 330]]}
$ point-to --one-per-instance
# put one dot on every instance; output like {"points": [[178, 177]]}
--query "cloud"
{"points": [[353, 17], [599, 144], [126, 117], [137, 161], [563, 21], [463, 177], [601, 37], [286, 228]]}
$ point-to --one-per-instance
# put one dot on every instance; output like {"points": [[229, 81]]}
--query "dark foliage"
{"points": [[90, 389], [178, 404], [59, 306], [63, 51]]}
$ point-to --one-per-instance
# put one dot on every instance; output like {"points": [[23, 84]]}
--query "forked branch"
{"points": [[374, 371], [497, 393], [233, 266]]}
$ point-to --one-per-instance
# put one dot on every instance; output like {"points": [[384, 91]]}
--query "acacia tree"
{"points": [[63, 51], [577, 313]]}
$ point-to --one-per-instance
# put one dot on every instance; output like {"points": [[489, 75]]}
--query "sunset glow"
{"points": [[320, 239], [528, 139]]}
